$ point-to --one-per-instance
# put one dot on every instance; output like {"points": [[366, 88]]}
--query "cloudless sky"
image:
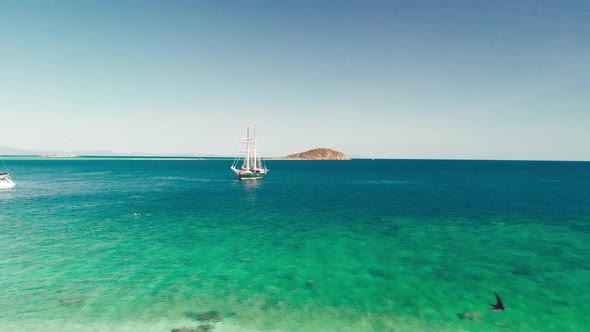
{"points": [[381, 79]]}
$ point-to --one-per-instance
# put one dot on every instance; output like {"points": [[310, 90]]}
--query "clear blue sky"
{"points": [[383, 79]]}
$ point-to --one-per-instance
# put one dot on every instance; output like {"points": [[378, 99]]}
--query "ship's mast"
{"points": [[255, 159], [248, 148]]}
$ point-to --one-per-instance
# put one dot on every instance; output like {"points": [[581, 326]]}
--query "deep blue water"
{"points": [[361, 245]]}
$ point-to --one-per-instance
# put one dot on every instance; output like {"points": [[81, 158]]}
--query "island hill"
{"points": [[318, 154]]}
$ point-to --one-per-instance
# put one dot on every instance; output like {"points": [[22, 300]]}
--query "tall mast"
{"points": [[255, 148], [248, 148]]}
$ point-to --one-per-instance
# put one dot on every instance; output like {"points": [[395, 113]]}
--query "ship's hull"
{"points": [[245, 174], [251, 176], [6, 185], [5, 181]]}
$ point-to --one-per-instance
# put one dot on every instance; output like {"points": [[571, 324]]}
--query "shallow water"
{"points": [[361, 245]]}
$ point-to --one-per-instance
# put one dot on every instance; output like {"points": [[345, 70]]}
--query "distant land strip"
{"points": [[59, 156]]}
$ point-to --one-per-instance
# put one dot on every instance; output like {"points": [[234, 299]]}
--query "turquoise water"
{"points": [[361, 245]]}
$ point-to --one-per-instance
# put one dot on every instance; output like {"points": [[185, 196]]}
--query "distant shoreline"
{"points": [[85, 158], [117, 157], [59, 156]]}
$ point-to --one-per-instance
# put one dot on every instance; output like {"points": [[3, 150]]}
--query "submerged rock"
{"points": [[269, 305], [200, 328], [204, 328], [310, 283], [470, 316], [206, 316], [380, 273], [506, 325], [72, 301], [62, 289]]}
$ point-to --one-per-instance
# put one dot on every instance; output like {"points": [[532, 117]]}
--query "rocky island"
{"points": [[318, 154]]}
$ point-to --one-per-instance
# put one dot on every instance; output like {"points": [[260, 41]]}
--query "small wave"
{"points": [[387, 182], [170, 178]]}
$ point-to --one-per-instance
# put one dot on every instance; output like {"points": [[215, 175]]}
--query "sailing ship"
{"points": [[252, 167], [5, 181]]}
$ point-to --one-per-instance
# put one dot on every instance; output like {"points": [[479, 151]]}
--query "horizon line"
{"points": [[197, 157]]}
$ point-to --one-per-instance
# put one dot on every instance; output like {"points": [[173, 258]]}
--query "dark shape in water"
{"points": [[499, 306], [200, 328], [244, 259], [72, 301], [379, 273], [206, 316], [475, 316], [310, 283], [269, 304]]}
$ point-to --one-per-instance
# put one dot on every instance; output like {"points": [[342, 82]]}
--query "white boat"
{"points": [[5, 181], [252, 167]]}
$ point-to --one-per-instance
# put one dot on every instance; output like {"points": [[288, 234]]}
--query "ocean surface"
{"points": [[363, 245]]}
